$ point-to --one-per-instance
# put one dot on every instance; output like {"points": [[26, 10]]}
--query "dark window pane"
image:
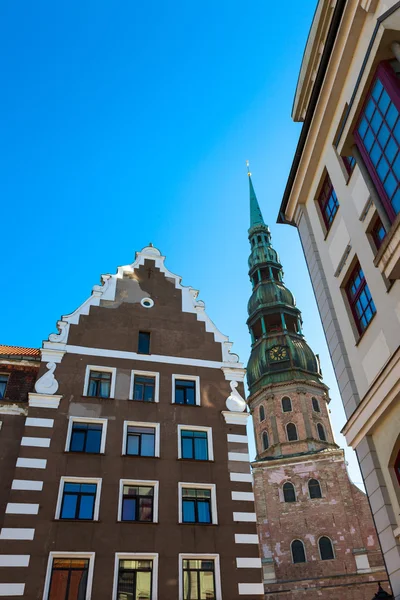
{"points": [[321, 432], [298, 553], [291, 432], [188, 511], [204, 512], [286, 404], [315, 405], [314, 489], [69, 503], [328, 202], [87, 507], [133, 445], [200, 448], [185, 392], [3, 385], [147, 444], [289, 493], [187, 448], [144, 388], [128, 509], [77, 441], [265, 440], [93, 440], [144, 342], [325, 548], [360, 299]]}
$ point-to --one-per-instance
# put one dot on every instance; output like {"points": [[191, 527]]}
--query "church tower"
{"points": [[316, 532]]}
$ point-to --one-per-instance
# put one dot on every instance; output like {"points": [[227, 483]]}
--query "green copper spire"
{"points": [[279, 350]]}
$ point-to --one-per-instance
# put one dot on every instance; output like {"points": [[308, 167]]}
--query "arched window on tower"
{"points": [[291, 431], [262, 413], [325, 548], [265, 440], [298, 552], [314, 489], [289, 493], [286, 404], [315, 405], [321, 432]]}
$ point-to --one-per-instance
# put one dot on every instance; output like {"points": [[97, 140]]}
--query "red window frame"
{"points": [[375, 232], [391, 85], [361, 289], [326, 194]]}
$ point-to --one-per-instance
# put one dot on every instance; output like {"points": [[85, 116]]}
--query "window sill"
{"points": [[202, 524], [137, 522], [137, 456], [76, 520], [85, 453], [196, 460], [191, 405], [98, 397]]}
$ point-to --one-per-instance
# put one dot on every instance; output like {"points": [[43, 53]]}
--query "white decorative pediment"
{"points": [[107, 291]]}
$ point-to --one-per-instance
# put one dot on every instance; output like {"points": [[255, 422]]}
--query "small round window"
{"points": [[147, 302]]}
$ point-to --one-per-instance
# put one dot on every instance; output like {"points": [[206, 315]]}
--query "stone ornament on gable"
{"points": [[47, 383], [62, 336], [235, 402]]}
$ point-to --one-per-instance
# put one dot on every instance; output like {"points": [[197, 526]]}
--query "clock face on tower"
{"points": [[278, 353]]}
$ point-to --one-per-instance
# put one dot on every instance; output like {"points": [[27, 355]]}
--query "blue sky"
{"points": [[126, 122]]}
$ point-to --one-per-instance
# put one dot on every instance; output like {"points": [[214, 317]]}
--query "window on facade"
{"points": [[99, 384], [265, 440], [3, 385], [262, 413], [377, 136], [144, 342], [328, 202], [78, 500], [321, 432], [349, 163], [289, 493], [144, 388], [137, 503], [314, 489], [185, 392], [198, 579], [196, 505], [378, 233], [325, 548], [298, 552], [286, 404], [194, 444], [86, 437], [140, 441], [397, 467], [360, 299], [135, 579], [315, 405], [291, 431], [69, 579]]}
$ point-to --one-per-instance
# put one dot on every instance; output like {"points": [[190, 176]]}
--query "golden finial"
{"points": [[248, 168]]}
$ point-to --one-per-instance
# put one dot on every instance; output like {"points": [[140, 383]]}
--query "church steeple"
{"points": [[279, 350]]}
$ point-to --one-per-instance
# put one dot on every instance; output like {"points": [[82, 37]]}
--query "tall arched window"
{"points": [[321, 432], [315, 405], [298, 552], [314, 489], [291, 432], [265, 440], [262, 413], [325, 548], [289, 493], [286, 404]]}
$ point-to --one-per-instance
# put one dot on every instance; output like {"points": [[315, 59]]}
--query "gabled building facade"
{"points": [[132, 478], [317, 537], [343, 196]]}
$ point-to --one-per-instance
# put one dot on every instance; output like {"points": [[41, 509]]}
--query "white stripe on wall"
{"points": [[245, 517], [246, 538], [239, 439], [32, 463], [242, 477], [27, 484], [248, 589], [239, 456], [248, 563], [243, 496], [14, 560], [22, 508], [15, 533], [12, 589], [36, 442], [34, 422]]}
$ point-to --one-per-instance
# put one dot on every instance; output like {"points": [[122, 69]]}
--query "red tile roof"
{"points": [[19, 351]]}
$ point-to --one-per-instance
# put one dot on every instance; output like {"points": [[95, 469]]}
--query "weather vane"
{"points": [[248, 168]]}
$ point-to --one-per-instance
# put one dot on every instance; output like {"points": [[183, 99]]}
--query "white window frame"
{"points": [[156, 426], [198, 486], [332, 545], [196, 428], [217, 571], [194, 378], [102, 369], [291, 551], [137, 556], [103, 422], [67, 479], [53, 555], [146, 374], [146, 482]]}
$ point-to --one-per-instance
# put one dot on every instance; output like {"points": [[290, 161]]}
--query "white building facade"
{"points": [[343, 195]]}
